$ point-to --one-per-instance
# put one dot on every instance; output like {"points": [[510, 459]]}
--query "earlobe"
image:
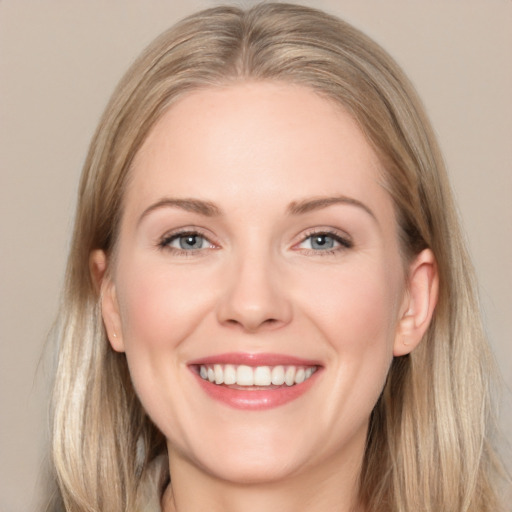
{"points": [[420, 302], [106, 289]]}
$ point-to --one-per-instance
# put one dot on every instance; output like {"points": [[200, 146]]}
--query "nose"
{"points": [[254, 297]]}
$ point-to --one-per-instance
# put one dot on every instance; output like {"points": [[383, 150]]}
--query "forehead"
{"points": [[254, 137]]}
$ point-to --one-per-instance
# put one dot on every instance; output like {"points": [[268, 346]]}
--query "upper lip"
{"points": [[252, 359]]}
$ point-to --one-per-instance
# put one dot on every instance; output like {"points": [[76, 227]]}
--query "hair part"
{"points": [[428, 440]]}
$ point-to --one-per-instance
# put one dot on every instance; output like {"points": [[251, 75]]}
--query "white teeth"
{"points": [[289, 376], [219, 374], [260, 376], [278, 375], [229, 374], [244, 376], [300, 375]]}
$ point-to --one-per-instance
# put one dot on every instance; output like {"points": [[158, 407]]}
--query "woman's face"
{"points": [[257, 246]]}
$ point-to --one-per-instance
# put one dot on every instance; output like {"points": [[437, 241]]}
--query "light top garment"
{"points": [[153, 486]]}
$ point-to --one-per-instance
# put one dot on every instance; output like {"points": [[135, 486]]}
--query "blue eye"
{"points": [[186, 242], [323, 242]]}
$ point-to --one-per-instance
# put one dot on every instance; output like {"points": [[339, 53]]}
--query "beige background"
{"points": [[59, 61]]}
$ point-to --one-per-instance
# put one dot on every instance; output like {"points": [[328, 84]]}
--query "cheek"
{"points": [[357, 307], [158, 308]]}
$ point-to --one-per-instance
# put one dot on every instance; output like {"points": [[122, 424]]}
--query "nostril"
{"points": [[253, 326], [253, 307]]}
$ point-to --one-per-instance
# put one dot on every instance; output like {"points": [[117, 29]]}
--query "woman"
{"points": [[268, 295]]}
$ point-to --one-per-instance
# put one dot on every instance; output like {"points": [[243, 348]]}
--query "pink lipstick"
{"points": [[254, 381]]}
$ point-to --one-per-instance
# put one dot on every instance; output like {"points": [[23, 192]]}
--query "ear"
{"points": [[106, 288], [419, 303]]}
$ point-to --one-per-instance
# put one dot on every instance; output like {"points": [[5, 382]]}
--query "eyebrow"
{"points": [[317, 203], [205, 208], [209, 209]]}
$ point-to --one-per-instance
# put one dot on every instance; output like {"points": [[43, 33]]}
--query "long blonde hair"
{"points": [[428, 441]]}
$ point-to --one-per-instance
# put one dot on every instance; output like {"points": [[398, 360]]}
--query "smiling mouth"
{"points": [[255, 382], [255, 377]]}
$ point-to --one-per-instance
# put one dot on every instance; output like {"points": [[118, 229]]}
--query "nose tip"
{"points": [[255, 300]]}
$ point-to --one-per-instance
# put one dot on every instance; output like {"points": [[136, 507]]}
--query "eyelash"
{"points": [[166, 240], [344, 242]]}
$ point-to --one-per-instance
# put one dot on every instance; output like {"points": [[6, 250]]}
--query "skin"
{"points": [[257, 285]]}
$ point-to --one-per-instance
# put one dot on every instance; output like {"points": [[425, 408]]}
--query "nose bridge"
{"points": [[254, 297]]}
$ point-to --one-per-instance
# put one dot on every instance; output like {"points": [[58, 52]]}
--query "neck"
{"points": [[329, 488]]}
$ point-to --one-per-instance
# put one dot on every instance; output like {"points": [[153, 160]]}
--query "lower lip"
{"points": [[257, 399]]}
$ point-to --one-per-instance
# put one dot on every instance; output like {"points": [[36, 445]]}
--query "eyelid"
{"points": [[169, 236], [343, 238]]}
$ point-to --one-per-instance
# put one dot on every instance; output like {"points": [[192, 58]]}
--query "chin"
{"points": [[245, 470], [257, 458]]}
